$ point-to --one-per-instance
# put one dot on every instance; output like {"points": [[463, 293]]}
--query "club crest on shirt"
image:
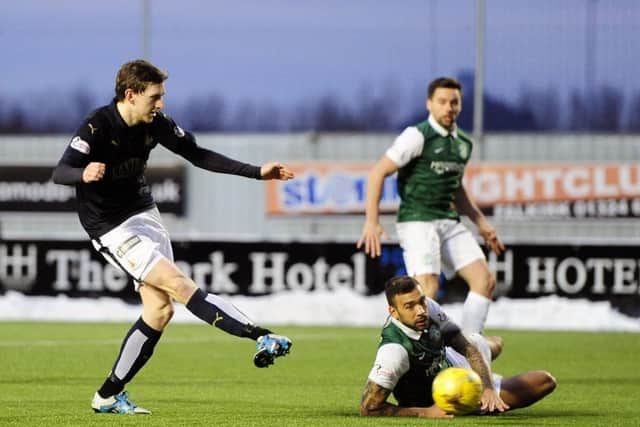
{"points": [[434, 334], [463, 149], [80, 145]]}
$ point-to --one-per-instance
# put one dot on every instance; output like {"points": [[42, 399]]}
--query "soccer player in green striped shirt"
{"points": [[417, 341], [430, 158]]}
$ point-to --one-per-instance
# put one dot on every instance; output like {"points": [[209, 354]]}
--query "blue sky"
{"points": [[286, 51]]}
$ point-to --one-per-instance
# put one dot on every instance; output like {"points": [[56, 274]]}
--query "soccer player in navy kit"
{"points": [[105, 161]]}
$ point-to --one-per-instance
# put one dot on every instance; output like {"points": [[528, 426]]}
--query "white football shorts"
{"points": [[431, 247], [136, 245]]}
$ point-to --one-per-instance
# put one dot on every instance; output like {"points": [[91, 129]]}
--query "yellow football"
{"points": [[457, 390]]}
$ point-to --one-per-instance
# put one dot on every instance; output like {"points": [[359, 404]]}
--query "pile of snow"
{"points": [[341, 307]]}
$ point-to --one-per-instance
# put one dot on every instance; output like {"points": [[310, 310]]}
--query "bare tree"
{"points": [[205, 113], [633, 123]]}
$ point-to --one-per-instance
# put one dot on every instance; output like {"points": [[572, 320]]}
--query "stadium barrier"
{"points": [[524, 271]]}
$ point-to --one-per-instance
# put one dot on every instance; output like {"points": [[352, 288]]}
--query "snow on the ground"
{"points": [[343, 307]]}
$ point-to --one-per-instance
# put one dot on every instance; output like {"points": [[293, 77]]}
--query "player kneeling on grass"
{"points": [[418, 341]]}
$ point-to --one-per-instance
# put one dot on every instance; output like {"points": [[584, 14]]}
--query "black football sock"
{"points": [[110, 387], [224, 315], [135, 351]]}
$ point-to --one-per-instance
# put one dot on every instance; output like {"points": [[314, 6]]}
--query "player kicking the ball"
{"points": [[105, 161], [418, 341]]}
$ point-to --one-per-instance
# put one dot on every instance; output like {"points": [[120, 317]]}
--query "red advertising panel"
{"points": [[500, 189], [493, 183]]}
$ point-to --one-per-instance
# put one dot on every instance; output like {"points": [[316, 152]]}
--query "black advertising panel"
{"points": [[595, 272], [73, 268], [30, 189]]}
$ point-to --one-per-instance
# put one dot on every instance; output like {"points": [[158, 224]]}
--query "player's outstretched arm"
{"points": [[490, 235], [374, 404], [467, 207], [372, 231], [275, 170], [491, 400]]}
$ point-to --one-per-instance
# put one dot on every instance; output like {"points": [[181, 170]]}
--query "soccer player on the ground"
{"points": [[418, 341], [430, 158], [105, 160]]}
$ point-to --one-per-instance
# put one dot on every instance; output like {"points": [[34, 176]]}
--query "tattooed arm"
{"points": [[374, 403], [491, 400], [463, 346]]}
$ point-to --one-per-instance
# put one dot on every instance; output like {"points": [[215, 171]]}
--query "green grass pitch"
{"points": [[200, 376]]}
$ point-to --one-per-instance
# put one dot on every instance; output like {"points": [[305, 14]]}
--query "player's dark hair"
{"points": [[445, 82], [137, 75], [398, 286]]}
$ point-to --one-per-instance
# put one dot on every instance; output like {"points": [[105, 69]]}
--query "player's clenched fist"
{"points": [[93, 172]]}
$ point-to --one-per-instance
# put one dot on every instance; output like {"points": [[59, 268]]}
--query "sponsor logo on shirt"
{"points": [[446, 167], [80, 145], [178, 131], [436, 365], [131, 167]]}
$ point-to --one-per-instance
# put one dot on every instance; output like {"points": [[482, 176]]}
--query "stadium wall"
{"points": [[564, 272], [223, 207]]}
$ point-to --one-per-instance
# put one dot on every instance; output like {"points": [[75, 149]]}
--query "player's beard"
{"points": [[420, 324], [447, 121]]}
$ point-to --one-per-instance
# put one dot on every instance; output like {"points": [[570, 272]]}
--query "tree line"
{"points": [[603, 109]]}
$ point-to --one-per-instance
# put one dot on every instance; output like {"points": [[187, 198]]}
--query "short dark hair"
{"points": [[137, 75], [446, 82], [397, 286]]}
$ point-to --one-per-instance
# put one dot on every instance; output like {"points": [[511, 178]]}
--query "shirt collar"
{"points": [[118, 120], [411, 333], [442, 131]]}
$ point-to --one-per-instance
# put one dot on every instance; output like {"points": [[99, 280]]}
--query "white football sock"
{"points": [[474, 312]]}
